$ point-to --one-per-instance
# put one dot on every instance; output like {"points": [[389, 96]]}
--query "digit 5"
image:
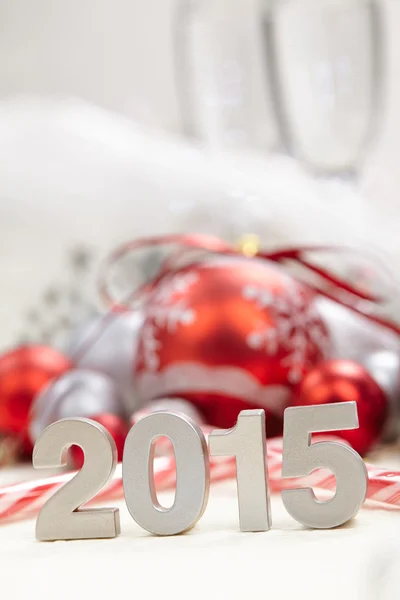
{"points": [[300, 458]]}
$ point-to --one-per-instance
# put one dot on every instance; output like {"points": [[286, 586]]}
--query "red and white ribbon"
{"points": [[324, 282]]}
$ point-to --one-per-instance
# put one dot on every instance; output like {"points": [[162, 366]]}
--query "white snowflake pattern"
{"points": [[297, 324], [164, 312]]}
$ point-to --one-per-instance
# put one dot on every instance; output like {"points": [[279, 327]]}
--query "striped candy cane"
{"points": [[25, 499]]}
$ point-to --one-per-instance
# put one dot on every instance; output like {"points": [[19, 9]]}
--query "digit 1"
{"points": [[247, 442]]}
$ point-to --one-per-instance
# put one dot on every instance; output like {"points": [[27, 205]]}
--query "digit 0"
{"points": [[192, 468]]}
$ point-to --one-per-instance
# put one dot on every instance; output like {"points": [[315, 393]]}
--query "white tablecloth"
{"points": [[352, 562]]}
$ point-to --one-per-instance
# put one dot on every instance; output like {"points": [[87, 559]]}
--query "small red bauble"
{"points": [[229, 334], [115, 426], [345, 381], [24, 371]]}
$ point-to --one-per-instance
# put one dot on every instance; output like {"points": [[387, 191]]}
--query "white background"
{"points": [[78, 82]]}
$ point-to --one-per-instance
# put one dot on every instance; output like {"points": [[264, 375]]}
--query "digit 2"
{"points": [[61, 518]]}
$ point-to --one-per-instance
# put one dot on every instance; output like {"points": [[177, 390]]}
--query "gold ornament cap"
{"points": [[249, 244]]}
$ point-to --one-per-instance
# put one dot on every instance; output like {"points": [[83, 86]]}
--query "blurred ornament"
{"points": [[24, 372], [353, 335], [108, 344], [176, 405], [116, 427], [78, 393], [229, 334], [345, 381], [384, 367], [164, 445], [62, 305], [377, 348], [78, 296]]}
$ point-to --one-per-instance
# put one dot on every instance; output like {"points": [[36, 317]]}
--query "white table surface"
{"points": [[214, 558]]}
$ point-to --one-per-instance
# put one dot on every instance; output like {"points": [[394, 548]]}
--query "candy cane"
{"points": [[25, 499]]}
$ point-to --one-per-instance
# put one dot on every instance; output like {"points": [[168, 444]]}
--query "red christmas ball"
{"points": [[345, 381], [229, 334], [116, 427], [24, 371]]}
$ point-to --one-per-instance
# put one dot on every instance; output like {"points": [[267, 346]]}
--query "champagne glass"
{"points": [[219, 57], [325, 73], [305, 75]]}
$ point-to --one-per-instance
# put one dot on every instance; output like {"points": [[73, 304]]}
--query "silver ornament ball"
{"points": [[384, 367], [108, 344], [176, 405], [377, 348], [354, 336], [78, 393]]}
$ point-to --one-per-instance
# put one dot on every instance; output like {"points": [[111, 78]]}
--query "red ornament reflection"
{"points": [[115, 426], [23, 373], [345, 381]]}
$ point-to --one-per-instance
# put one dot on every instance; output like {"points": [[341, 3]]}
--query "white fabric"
{"points": [[214, 559], [75, 174]]}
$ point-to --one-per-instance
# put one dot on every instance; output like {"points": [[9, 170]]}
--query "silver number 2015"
{"points": [[62, 518]]}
